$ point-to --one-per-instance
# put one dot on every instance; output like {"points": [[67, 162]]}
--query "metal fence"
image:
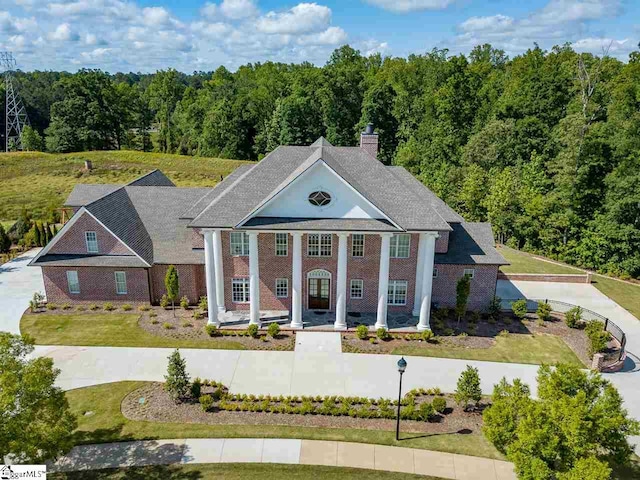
{"points": [[563, 307]]}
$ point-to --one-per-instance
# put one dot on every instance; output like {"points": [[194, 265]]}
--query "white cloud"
{"points": [[371, 47], [209, 10], [96, 54], [238, 9], [11, 25], [211, 30], [63, 33], [70, 8], [598, 45], [303, 18], [406, 6], [331, 36], [157, 16], [493, 22]]}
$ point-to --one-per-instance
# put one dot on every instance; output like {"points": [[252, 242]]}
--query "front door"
{"points": [[319, 289]]}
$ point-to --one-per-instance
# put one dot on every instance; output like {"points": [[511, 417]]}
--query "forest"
{"points": [[544, 145]]}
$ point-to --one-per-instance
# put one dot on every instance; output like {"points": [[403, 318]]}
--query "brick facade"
{"points": [[442, 242], [483, 285], [191, 279], [97, 285], [73, 241]]}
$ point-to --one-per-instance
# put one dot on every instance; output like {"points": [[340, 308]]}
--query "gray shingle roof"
{"points": [[321, 142], [369, 177], [154, 178], [87, 193], [471, 244], [337, 224], [57, 260]]}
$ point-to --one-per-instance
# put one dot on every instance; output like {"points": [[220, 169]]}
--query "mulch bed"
{"points": [[159, 407], [479, 335]]}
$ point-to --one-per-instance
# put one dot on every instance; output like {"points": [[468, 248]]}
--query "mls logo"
{"points": [[5, 472], [12, 472]]}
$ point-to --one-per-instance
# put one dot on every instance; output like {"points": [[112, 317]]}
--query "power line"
{"points": [[15, 114]]}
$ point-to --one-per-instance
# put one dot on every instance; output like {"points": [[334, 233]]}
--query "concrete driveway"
{"points": [[17, 286]]}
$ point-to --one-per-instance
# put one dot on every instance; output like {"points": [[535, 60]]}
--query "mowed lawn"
{"points": [[107, 424], [38, 181], [624, 294], [534, 349], [100, 329]]}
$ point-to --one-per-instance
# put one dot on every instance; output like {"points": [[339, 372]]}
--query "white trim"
{"points": [[243, 243], [273, 196], [315, 274], [77, 282], [86, 241], [246, 289], [435, 272], [286, 281], [363, 245], [275, 239], [406, 292], [361, 289], [126, 289], [72, 222], [397, 237], [470, 272], [320, 235]]}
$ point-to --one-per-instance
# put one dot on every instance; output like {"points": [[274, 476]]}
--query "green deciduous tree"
{"points": [[31, 139], [468, 388], [172, 285], [5, 241]]}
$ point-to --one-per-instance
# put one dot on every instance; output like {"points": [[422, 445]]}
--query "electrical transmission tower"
{"points": [[15, 114]]}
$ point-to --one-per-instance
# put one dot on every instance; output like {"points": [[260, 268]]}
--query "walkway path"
{"points": [[287, 451], [17, 286]]}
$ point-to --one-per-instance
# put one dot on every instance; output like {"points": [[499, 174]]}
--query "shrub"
{"points": [[372, 341], [252, 330], [80, 308], [66, 306], [203, 303], [108, 307], [144, 308], [217, 394], [164, 302], [93, 307], [475, 317], [427, 335], [426, 411], [52, 306], [382, 334], [176, 380], [206, 402], [273, 330], [598, 337], [573, 318], [544, 312], [468, 387], [503, 333], [439, 404], [196, 388], [463, 288], [212, 330], [167, 326], [126, 307], [155, 322], [198, 315], [519, 308], [495, 307], [36, 301], [186, 323], [153, 314], [362, 332], [184, 303]]}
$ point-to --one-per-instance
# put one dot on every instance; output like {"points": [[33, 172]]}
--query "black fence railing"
{"points": [[587, 315]]}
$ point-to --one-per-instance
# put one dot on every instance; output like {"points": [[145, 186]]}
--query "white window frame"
{"points": [[359, 247], [469, 272], [282, 284], [394, 246], [73, 282], [91, 243], [243, 289], [239, 247], [358, 284], [120, 283], [435, 272], [280, 246], [392, 292], [316, 250]]}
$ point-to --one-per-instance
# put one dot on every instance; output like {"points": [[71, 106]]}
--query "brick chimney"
{"points": [[369, 140]]}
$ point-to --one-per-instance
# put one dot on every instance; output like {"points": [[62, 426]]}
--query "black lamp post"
{"points": [[402, 366]]}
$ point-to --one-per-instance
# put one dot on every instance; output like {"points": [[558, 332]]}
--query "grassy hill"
{"points": [[38, 181]]}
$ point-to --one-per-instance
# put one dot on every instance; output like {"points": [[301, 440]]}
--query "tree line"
{"points": [[545, 145]]}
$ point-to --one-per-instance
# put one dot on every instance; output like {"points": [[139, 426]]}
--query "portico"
{"points": [[324, 289]]}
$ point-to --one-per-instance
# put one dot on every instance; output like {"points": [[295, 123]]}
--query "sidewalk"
{"points": [[288, 451]]}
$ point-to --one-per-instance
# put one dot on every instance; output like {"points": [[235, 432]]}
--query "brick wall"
{"points": [[197, 239], [483, 285], [442, 242], [73, 241], [191, 280], [97, 285]]}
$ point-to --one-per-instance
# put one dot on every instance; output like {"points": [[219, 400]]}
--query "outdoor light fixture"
{"points": [[402, 366]]}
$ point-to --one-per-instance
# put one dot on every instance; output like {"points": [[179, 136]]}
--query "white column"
{"points": [[427, 279], [417, 297], [296, 281], [217, 255], [210, 277], [383, 281], [254, 280], [341, 284]]}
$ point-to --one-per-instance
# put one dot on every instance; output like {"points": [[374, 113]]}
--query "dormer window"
{"points": [[319, 198], [91, 240]]}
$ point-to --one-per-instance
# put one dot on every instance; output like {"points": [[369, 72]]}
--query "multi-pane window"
{"points": [[397, 293], [357, 288], [72, 281], [435, 273], [319, 245], [469, 272], [357, 245], [121, 283], [282, 244], [282, 287], [239, 243], [240, 290], [91, 240], [400, 245]]}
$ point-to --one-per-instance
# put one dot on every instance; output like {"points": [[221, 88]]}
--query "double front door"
{"points": [[319, 289]]}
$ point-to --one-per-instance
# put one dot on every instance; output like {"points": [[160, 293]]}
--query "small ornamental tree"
{"points": [[544, 311], [177, 382], [468, 388], [5, 242], [36, 235], [573, 317], [172, 284], [519, 308], [462, 296]]}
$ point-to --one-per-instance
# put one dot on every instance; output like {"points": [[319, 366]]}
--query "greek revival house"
{"points": [[311, 228]]}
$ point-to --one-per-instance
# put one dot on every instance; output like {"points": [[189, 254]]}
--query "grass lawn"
{"points": [[624, 294], [237, 471], [36, 181], [107, 424], [115, 330], [535, 349]]}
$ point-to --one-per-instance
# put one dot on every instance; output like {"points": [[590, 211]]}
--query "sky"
{"points": [[199, 35]]}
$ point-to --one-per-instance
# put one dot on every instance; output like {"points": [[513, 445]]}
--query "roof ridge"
{"points": [[155, 170]]}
